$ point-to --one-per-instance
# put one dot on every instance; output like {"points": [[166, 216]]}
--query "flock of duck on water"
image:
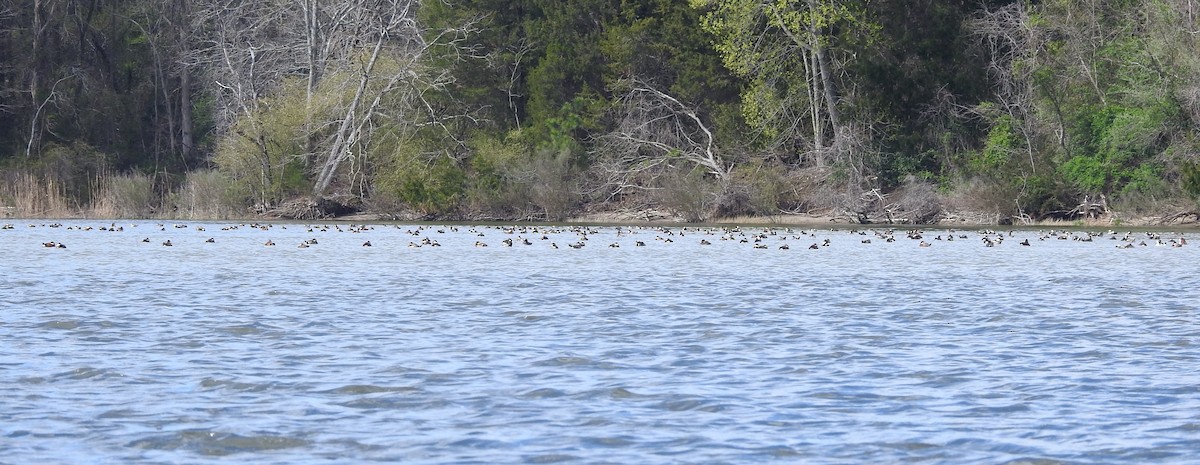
{"points": [[758, 237]]}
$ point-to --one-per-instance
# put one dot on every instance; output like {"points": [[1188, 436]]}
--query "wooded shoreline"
{"points": [[831, 219], [983, 112]]}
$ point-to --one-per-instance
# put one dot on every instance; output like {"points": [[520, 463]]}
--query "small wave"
{"points": [[392, 403], [691, 403], [210, 383], [61, 324], [83, 373], [608, 441], [253, 329], [1034, 461], [563, 361], [551, 458], [476, 443], [215, 443], [369, 389], [543, 393]]}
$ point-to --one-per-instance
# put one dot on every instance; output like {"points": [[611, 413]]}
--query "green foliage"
{"points": [[570, 63], [1114, 145], [561, 130], [497, 182], [1095, 98], [999, 147], [1190, 179], [432, 188], [1042, 196], [1146, 178], [265, 151]]}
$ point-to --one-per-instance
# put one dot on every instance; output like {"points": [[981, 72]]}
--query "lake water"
{"points": [[114, 350]]}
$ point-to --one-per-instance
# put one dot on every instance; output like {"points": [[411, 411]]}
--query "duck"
{"points": [[924, 244], [210, 241], [366, 244], [705, 242], [268, 243], [639, 244], [167, 243], [480, 244]]}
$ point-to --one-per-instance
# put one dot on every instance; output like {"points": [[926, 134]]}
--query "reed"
{"points": [[206, 194], [23, 195], [124, 196]]}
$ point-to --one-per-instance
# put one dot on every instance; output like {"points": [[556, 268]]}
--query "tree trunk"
{"points": [[830, 94], [341, 144], [187, 141], [35, 80]]}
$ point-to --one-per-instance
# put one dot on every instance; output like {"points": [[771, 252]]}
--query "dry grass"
{"points": [[986, 202], [125, 196], [23, 195], [206, 195]]}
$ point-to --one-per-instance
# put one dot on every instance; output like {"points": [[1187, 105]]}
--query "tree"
{"points": [[369, 56], [654, 130], [783, 49]]}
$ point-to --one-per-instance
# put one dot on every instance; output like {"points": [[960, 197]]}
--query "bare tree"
{"points": [[393, 25], [1010, 40], [653, 132], [399, 91], [369, 56]]}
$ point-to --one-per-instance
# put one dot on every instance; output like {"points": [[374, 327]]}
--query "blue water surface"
{"points": [[118, 349]]}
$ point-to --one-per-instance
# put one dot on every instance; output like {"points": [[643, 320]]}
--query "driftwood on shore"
{"points": [[312, 208], [910, 205]]}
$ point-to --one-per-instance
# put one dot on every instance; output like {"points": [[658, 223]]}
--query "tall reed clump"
{"points": [[23, 195], [125, 196], [208, 194]]}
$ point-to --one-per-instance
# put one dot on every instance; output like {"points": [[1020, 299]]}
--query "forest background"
{"points": [[918, 111]]}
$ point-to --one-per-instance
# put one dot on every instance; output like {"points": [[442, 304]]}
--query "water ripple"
{"points": [[1062, 352]]}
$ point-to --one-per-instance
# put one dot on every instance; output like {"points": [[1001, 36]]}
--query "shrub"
{"points": [[763, 188], [429, 187], [209, 194], [127, 196], [692, 196]]}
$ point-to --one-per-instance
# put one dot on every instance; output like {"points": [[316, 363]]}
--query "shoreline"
{"points": [[652, 217]]}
